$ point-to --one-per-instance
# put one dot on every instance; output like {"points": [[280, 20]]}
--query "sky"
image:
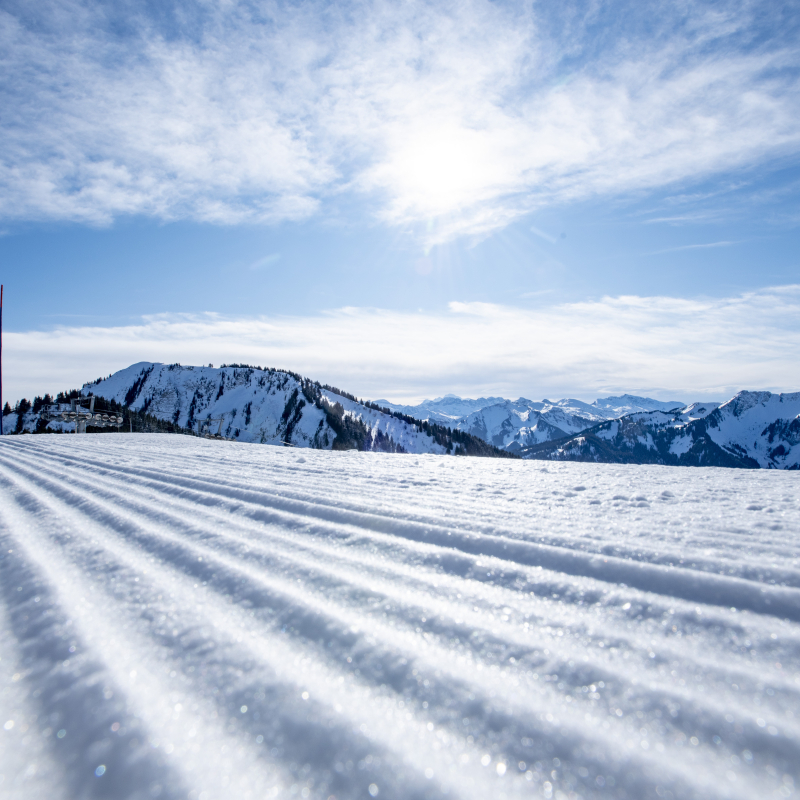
{"points": [[404, 199]]}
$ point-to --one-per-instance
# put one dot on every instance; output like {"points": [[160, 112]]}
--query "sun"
{"points": [[436, 168]]}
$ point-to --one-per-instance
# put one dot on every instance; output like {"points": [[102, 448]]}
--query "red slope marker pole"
{"points": [[1, 359]]}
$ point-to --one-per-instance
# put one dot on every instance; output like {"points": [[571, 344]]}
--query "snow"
{"points": [[185, 618], [629, 404], [522, 423], [610, 432], [514, 424], [442, 409], [185, 394], [681, 445], [451, 408], [407, 436], [752, 430], [252, 402], [744, 421], [698, 411]]}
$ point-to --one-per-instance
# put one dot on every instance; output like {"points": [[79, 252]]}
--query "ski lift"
{"points": [[204, 428], [82, 416]]}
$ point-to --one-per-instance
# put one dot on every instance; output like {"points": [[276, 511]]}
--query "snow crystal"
{"points": [[184, 618]]}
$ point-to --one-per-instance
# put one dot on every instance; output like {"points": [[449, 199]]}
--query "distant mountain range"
{"points": [[250, 404], [515, 425], [752, 430]]}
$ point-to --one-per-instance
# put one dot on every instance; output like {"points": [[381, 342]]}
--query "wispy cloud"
{"points": [[464, 112], [542, 235], [663, 346], [703, 246], [692, 218], [266, 261]]}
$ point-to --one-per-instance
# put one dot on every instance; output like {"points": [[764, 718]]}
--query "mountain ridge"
{"points": [[273, 406], [266, 406], [752, 430], [515, 425]]}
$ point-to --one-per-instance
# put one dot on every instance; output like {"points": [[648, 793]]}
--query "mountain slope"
{"points": [[266, 406], [251, 404], [752, 430]]}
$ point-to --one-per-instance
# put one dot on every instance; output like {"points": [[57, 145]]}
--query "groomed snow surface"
{"points": [[184, 618]]}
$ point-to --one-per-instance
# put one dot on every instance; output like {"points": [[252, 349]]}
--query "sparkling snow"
{"points": [[184, 618]]}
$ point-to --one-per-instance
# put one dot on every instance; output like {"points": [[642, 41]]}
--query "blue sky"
{"points": [[405, 199]]}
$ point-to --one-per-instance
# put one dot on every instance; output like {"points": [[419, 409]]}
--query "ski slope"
{"points": [[184, 618]]}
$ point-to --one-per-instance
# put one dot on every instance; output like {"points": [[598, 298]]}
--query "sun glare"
{"points": [[438, 169]]}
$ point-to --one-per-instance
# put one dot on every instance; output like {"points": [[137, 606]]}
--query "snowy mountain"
{"points": [[630, 404], [752, 430], [698, 410], [264, 406], [516, 424], [445, 410], [250, 404]]}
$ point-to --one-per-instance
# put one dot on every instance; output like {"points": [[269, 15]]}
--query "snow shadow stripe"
{"points": [[692, 585], [75, 696]]}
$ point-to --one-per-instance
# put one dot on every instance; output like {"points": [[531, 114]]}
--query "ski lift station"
{"points": [[83, 416]]}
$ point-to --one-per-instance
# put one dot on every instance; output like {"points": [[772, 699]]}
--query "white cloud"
{"points": [[662, 346], [704, 246], [460, 112]]}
